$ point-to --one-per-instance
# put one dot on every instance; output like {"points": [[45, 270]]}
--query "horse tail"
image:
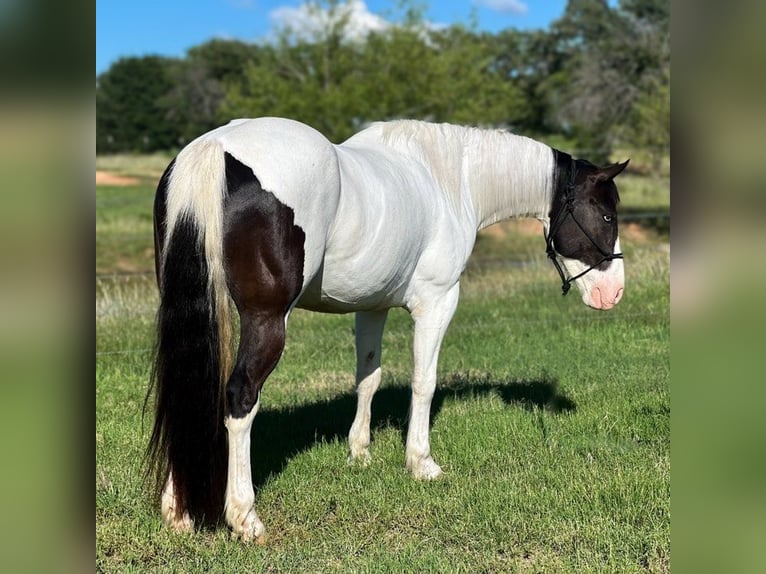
{"points": [[193, 352]]}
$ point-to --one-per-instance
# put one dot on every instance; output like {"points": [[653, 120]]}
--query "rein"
{"points": [[567, 209]]}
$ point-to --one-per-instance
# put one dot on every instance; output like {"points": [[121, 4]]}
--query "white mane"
{"points": [[506, 175]]}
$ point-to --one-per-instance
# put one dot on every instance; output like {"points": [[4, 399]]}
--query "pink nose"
{"points": [[605, 296]]}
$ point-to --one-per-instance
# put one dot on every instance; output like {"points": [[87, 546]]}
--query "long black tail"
{"points": [[193, 326]]}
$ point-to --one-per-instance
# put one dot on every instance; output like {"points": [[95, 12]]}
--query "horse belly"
{"points": [[377, 236], [367, 281]]}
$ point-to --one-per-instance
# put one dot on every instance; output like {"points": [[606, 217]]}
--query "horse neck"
{"points": [[506, 176]]}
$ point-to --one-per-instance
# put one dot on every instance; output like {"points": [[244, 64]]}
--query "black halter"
{"points": [[567, 209]]}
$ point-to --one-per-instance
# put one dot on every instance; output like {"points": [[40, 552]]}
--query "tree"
{"points": [[649, 125], [224, 60], [466, 85], [191, 105], [338, 83], [616, 55], [130, 115], [534, 63], [598, 76]]}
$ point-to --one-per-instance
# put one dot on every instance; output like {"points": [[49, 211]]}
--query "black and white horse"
{"points": [[269, 214]]}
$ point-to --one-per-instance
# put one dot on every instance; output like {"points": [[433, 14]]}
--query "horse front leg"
{"points": [[431, 320], [369, 334]]}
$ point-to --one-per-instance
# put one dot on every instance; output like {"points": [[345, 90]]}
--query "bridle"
{"points": [[567, 209]]}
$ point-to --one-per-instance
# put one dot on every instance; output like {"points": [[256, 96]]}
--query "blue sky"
{"points": [[170, 27]]}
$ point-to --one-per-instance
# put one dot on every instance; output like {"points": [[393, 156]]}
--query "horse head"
{"points": [[582, 234]]}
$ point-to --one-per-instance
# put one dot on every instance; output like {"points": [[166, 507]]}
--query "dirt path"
{"points": [[109, 178]]}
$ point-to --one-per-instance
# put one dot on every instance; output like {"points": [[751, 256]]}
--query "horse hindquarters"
{"points": [[264, 258], [217, 233]]}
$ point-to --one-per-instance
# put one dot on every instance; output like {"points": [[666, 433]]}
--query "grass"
{"points": [[124, 229], [551, 422], [148, 167]]}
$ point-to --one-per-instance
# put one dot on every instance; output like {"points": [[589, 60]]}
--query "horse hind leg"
{"points": [[178, 521], [264, 257], [261, 344]]}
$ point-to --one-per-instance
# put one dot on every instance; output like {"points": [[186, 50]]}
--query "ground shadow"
{"points": [[280, 434]]}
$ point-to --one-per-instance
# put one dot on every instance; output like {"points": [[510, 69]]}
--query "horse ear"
{"points": [[609, 172]]}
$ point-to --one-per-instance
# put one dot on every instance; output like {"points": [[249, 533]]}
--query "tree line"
{"points": [[597, 78]]}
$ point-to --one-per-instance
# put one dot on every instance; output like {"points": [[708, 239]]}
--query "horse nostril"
{"points": [[595, 298], [618, 296]]}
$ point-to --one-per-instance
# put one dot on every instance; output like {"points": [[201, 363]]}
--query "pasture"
{"points": [[551, 420]]}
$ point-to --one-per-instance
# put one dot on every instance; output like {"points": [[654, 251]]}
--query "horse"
{"points": [[266, 215]]}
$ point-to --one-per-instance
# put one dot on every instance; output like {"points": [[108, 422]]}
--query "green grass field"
{"points": [[551, 423]]}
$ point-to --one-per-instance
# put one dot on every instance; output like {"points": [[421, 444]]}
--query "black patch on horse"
{"points": [[263, 257]]}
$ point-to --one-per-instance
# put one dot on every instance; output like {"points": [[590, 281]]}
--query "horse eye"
{"points": [[608, 218]]}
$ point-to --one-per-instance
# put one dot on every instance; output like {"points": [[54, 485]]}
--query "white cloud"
{"points": [[309, 22], [510, 6]]}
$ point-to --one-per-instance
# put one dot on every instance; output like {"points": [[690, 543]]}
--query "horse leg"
{"points": [[261, 345], [369, 334], [431, 320], [264, 261]]}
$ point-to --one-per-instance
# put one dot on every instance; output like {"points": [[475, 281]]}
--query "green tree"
{"points": [[649, 126], [224, 60], [307, 79], [598, 76], [466, 85], [534, 63], [130, 115], [616, 56], [193, 103], [338, 85]]}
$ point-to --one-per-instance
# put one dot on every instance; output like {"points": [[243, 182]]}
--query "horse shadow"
{"points": [[280, 434]]}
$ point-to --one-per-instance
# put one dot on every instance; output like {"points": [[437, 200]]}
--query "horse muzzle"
{"points": [[604, 295]]}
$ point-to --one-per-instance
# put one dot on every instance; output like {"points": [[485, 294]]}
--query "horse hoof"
{"points": [[248, 529], [170, 516], [361, 457], [183, 524], [426, 469], [175, 520]]}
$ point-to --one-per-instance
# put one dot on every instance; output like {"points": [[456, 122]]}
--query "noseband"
{"points": [[567, 210]]}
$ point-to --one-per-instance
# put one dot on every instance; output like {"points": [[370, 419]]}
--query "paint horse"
{"points": [[269, 214]]}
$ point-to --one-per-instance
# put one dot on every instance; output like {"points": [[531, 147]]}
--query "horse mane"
{"points": [[496, 166]]}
